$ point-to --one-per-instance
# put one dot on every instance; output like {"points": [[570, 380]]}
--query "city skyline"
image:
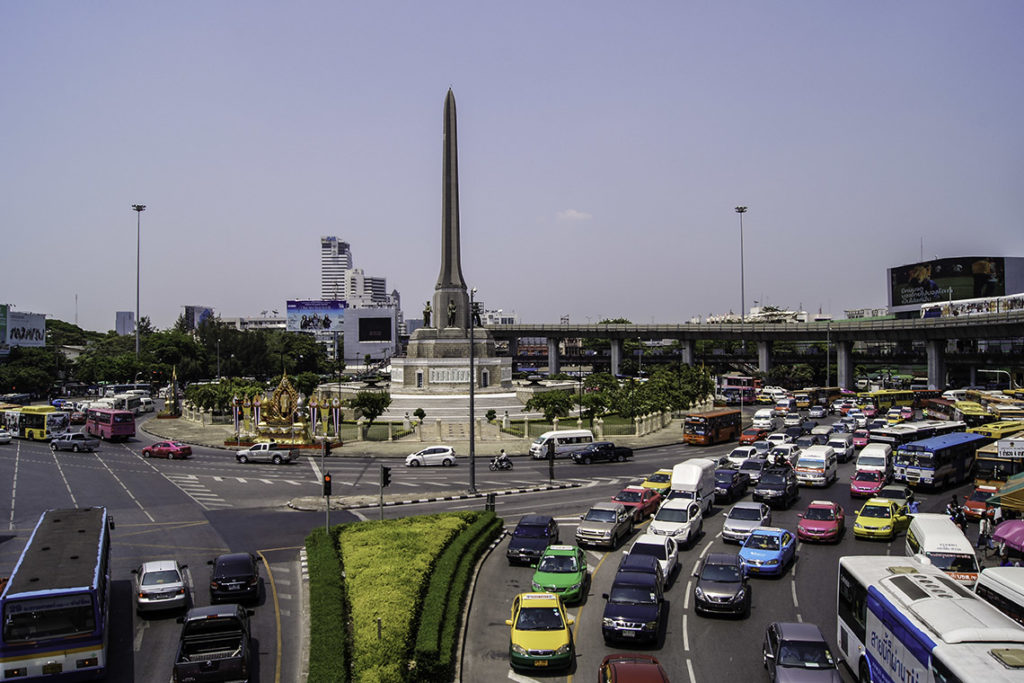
{"points": [[603, 149]]}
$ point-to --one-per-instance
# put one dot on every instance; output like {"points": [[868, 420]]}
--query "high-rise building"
{"points": [[124, 322], [335, 262]]}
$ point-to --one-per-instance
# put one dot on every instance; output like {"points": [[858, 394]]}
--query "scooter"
{"points": [[500, 464]]}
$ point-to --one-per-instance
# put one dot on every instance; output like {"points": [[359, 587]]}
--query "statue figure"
{"points": [[426, 315], [451, 312]]}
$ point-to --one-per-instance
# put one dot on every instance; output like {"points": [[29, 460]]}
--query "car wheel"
{"points": [[243, 459], [145, 453], [586, 460], [276, 459], [74, 449], [447, 462], [414, 463]]}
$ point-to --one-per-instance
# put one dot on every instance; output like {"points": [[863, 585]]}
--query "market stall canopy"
{"points": [[1011, 494]]}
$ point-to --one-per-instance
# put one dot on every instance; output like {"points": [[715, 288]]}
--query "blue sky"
{"points": [[602, 148]]}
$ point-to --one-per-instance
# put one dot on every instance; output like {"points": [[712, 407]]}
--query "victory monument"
{"points": [[437, 359]]}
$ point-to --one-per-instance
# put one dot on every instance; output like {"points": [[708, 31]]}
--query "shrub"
{"points": [[328, 611]]}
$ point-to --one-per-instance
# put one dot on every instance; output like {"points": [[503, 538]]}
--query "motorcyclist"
{"points": [[502, 459]]}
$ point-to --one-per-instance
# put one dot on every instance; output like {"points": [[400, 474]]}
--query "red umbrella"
{"points": [[1010, 533]]}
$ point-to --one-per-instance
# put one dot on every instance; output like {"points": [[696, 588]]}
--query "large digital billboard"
{"points": [[951, 279], [375, 329], [315, 316]]}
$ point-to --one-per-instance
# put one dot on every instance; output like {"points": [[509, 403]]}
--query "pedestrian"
{"points": [[960, 519], [913, 507], [985, 531]]}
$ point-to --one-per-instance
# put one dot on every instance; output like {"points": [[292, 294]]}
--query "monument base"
{"points": [[437, 362]]}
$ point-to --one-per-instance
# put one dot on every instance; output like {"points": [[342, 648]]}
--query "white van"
{"points": [[764, 418], [817, 466], [147, 405], [1004, 588], [566, 441], [935, 537], [694, 479], [876, 456]]}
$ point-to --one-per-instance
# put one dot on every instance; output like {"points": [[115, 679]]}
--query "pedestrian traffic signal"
{"points": [[385, 476], [327, 484]]}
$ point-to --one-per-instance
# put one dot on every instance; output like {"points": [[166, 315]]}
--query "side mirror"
{"points": [[604, 595], [209, 562], [769, 655], [800, 515], [180, 620], [183, 566], [625, 552], [135, 571], [508, 622], [570, 621], [583, 516], [250, 612]]}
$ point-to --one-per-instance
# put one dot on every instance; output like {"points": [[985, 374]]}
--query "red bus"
{"points": [[112, 425], [712, 427]]}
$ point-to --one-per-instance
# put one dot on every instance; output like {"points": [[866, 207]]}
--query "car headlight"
{"points": [[740, 594], [651, 626], [858, 525], [607, 534], [699, 592], [564, 650], [518, 649], [575, 587], [771, 563], [887, 527], [606, 621], [536, 587]]}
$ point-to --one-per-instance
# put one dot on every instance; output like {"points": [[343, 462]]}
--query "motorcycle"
{"points": [[500, 464]]}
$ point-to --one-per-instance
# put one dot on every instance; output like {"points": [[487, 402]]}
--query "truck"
{"points": [[267, 452], [214, 645], [694, 479]]}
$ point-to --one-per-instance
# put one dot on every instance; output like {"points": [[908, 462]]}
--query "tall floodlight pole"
{"points": [[218, 359], [138, 209], [828, 353], [472, 394], [743, 304]]}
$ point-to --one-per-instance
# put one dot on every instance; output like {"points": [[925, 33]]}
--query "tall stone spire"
{"points": [[451, 287]]}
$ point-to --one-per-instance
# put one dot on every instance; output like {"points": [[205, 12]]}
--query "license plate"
{"points": [[52, 668], [629, 634], [540, 662]]}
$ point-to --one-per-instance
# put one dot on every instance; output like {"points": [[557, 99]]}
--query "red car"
{"points": [[823, 521], [643, 501], [752, 434], [631, 668], [866, 483], [975, 505], [860, 438], [77, 418], [167, 449]]}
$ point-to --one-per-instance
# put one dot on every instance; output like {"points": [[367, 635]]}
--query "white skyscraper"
{"points": [[335, 262]]}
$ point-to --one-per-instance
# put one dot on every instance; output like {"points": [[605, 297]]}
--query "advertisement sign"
{"points": [[1011, 449], [967, 277], [316, 316], [375, 329], [22, 329]]}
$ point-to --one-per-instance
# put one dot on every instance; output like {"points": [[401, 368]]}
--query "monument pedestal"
{"points": [[437, 362]]}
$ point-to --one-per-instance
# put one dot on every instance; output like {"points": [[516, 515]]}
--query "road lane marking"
{"points": [[686, 598], [277, 616], [689, 669], [686, 636]]}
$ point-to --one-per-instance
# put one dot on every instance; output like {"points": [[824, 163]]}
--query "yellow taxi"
{"points": [[880, 518], [660, 481], [540, 637]]}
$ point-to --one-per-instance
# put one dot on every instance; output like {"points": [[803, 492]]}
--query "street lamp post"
{"points": [[138, 209], [743, 304], [472, 395], [218, 359]]}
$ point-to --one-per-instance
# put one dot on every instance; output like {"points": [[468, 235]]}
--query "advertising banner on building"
{"points": [[196, 315], [948, 279], [22, 329], [316, 316]]}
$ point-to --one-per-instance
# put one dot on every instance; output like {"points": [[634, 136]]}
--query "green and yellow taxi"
{"points": [[562, 570], [660, 481], [541, 637], [881, 518]]}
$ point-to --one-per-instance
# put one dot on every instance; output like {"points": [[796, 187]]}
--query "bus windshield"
{"points": [[49, 617]]}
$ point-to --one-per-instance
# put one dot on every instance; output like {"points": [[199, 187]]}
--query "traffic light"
{"points": [[327, 484], [385, 476]]}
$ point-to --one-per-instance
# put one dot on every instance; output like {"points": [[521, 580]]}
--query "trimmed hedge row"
{"points": [[446, 593], [328, 610]]}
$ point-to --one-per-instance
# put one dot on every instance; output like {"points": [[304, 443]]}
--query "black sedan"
{"points": [[235, 578], [730, 485], [721, 586]]}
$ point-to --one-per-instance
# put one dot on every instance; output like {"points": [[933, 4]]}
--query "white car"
{"points": [[662, 547], [789, 451], [434, 455], [739, 454], [792, 420], [778, 438], [680, 519], [160, 585], [5, 436]]}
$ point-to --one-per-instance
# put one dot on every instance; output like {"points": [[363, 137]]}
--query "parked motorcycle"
{"points": [[500, 464]]}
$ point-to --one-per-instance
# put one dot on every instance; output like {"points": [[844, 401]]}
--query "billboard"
{"points": [[315, 316], [22, 329], [375, 329], [950, 279]]}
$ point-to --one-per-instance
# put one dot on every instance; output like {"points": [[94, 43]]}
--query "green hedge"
{"points": [[328, 610], [442, 605]]}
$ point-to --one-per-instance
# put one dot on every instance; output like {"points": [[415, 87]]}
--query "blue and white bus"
{"points": [[939, 461], [899, 620], [55, 606]]}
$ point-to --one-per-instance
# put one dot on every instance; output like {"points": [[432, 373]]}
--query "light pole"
{"points": [[218, 359], [472, 395], [743, 304], [828, 353], [138, 209]]}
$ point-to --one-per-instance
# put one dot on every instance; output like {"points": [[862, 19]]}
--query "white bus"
{"points": [[129, 402], [1004, 588], [899, 620]]}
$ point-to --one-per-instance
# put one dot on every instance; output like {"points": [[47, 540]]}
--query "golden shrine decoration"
{"points": [[281, 407]]}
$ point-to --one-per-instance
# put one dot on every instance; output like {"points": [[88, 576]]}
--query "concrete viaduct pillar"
{"points": [[616, 356], [936, 363], [764, 356], [844, 364], [554, 362], [686, 347]]}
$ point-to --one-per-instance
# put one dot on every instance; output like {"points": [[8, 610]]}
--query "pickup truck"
{"points": [[74, 442], [601, 450], [267, 452], [214, 645]]}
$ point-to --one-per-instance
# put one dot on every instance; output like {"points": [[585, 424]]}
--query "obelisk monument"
{"points": [[451, 287]]}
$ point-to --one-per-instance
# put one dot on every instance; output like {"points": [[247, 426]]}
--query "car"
{"points": [[721, 586], [74, 442], [659, 546], [752, 434], [645, 564], [680, 519], [5, 436], [530, 538], [777, 438], [660, 481], [753, 468], [792, 420], [642, 501], [160, 585], [562, 570], [808, 440], [634, 608], [789, 452], [730, 485], [894, 416], [167, 449], [540, 634], [797, 651], [434, 455], [869, 410], [235, 577], [631, 668], [837, 405], [843, 447], [823, 520], [841, 428], [601, 451], [794, 432], [817, 412], [768, 550], [605, 524], [866, 483], [762, 447], [877, 423], [846, 406], [77, 417], [778, 486], [898, 492], [976, 504], [739, 454], [743, 519], [907, 413], [860, 420], [880, 518]]}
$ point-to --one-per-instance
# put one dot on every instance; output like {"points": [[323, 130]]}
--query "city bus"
{"points": [[130, 402], [715, 426], [111, 425], [899, 620], [1003, 587], [939, 409], [1006, 411], [887, 398], [55, 606], [905, 432], [938, 461], [998, 430], [111, 390], [996, 462], [973, 413], [39, 423]]}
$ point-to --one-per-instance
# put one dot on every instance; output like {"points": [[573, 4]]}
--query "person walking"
{"points": [[985, 532]]}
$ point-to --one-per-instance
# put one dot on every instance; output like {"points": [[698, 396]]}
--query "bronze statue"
{"points": [[451, 312], [426, 315]]}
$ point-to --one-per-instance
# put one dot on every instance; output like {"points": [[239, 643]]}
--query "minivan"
{"points": [[876, 456], [940, 540], [764, 418], [816, 466], [566, 441]]}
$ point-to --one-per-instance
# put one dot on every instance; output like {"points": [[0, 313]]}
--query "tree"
{"points": [[552, 403], [371, 404], [420, 414]]}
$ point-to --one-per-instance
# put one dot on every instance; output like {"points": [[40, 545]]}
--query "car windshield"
{"points": [[729, 573], [821, 514], [954, 562], [628, 497], [871, 461], [805, 655], [558, 564], [762, 542], [161, 577], [723, 477], [876, 511], [773, 479], [652, 549], [744, 513], [980, 496], [631, 595], [600, 516], [672, 515], [530, 531], [752, 465], [539, 619], [659, 477], [871, 475]]}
